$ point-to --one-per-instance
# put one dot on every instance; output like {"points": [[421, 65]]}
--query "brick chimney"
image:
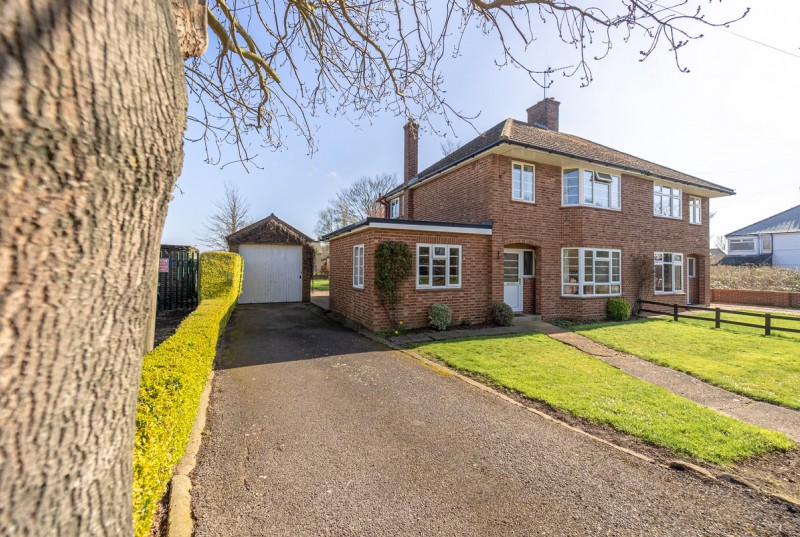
{"points": [[410, 150], [545, 114]]}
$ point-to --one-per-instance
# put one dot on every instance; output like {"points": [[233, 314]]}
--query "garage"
{"points": [[277, 262]]}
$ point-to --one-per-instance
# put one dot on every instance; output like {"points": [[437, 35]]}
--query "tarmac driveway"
{"points": [[315, 430]]}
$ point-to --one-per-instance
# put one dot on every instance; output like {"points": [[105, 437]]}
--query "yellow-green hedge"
{"points": [[173, 377]]}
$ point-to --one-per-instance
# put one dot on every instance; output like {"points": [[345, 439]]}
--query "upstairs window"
{"points": [[590, 187], [695, 210], [523, 178], [668, 276], [394, 208], [742, 245], [358, 266], [667, 201], [438, 266]]}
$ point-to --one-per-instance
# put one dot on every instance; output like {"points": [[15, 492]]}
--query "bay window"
{"points": [[590, 187], [591, 272]]}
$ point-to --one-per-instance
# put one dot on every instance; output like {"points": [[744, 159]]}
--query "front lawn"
{"points": [[320, 284], [564, 378], [760, 367]]}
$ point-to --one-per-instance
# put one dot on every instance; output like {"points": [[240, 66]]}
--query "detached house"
{"points": [[546, 221], [774, 241]]}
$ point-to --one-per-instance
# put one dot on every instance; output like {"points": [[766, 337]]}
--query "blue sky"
{"points": [[734, 120]]}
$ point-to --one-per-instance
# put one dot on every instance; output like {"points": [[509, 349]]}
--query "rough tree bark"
{"points": [[92, 110]]}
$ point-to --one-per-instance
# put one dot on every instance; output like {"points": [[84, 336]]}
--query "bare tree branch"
{"points": [[277, 64], [355, 203]]}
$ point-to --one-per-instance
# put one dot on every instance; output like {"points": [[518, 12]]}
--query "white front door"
{"points": [[512, 279]]}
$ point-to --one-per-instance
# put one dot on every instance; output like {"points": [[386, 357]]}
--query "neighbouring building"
{"points": [[774, 241], [278, 261], [321, 254], [545, 221]]}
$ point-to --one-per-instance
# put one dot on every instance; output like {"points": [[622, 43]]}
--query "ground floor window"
{"points": [[358, 266], [591, 272], [668, 276], [438, 266]]}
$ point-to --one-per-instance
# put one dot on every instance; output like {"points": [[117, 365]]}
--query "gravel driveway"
{"points": [[315, 430]]}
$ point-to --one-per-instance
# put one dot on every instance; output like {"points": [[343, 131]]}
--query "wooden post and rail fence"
{"points": [[674, 310]]}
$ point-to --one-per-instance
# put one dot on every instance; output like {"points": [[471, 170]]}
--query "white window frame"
{"points": [[695, 210], [732, 250], [673, 263], [522, 167], [432, 255], [672, 194], [691, 267], [358, 266], [394, 208], [766, 243], [582, 282], [597, 176]]}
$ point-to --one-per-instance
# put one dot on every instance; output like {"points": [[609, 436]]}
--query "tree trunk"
{"points": [[92, 110]]}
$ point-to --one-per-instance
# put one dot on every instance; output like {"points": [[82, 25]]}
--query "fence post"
{"points": [[767, 324], [675, 312], [716, 318]]}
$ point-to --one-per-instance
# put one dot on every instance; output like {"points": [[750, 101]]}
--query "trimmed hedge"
{"points": [[173, 377]]}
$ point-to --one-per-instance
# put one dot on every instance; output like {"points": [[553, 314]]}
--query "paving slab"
{"points": [[315, 430]]}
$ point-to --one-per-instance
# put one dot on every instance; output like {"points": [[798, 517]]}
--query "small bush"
{"points": [[618, 309], [501, 314], [173, 377], [439, 316]]}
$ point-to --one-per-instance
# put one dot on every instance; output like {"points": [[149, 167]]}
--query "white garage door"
{"points": [[272, 273]]}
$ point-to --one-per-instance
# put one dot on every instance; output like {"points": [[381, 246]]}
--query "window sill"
{"points": [[660, 293], [696, 223], [527, 202], [587, 206], [591, 296], [357, 288], [676, 218], [430, 288]]}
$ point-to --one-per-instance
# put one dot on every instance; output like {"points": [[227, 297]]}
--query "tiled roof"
{"points": [[532, 136], [758, 260], [785, 222]]}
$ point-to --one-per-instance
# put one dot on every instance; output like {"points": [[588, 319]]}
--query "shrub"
{"points": [[618, 309], [393, 265], [755, 278], [173, 377], [501, 314], [440, 316]]}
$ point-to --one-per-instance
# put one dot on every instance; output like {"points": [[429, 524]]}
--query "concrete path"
{"points": [[773, 417], [315, 430]]}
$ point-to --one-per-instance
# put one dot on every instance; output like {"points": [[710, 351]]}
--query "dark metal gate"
{"points": [[177, 277]]}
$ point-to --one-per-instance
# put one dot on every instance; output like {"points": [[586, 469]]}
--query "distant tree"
{"points": [[230, 216], [355, 202], [720, 242], [448, 146]]}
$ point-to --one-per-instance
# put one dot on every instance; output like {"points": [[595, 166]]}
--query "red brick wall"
{"points": [[471, 302], [481, 191], [780, 299]]}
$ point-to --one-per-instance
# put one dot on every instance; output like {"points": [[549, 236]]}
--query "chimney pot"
{"points": [[544, 113], [410, 150]]}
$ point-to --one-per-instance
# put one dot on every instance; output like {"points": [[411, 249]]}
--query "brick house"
{"points": [[547, 222]]}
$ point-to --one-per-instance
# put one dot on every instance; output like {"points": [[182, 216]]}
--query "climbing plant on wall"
{"points": [[393, 265]]}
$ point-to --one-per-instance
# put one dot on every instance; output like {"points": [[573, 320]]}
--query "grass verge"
{"points": [[763, 368], [320, 285], [564, 378], [173, 377]]}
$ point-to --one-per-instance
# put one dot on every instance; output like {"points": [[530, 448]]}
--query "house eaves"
{"points": [[414, 225]]}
